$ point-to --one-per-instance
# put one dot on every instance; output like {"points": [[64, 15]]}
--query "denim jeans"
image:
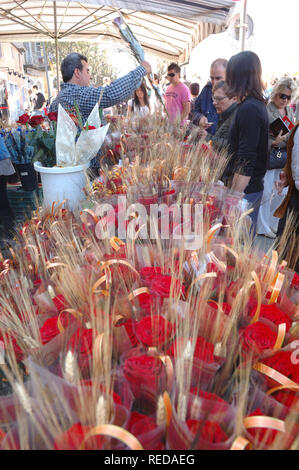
{"points": [[254, 200]]}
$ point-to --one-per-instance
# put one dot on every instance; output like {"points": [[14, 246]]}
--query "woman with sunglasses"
{"points": [[278, 107], [248, 134]]}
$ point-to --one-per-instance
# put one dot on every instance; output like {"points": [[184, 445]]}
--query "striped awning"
{"points": [[169, 28]]}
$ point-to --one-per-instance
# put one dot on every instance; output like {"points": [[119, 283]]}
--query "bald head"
{"points": [[218, 69]]}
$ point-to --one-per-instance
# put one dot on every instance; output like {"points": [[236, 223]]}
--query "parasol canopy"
{"points": [[168, 28]]}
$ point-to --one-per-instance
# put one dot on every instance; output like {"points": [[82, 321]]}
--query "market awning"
{"points": [[168, 28]]}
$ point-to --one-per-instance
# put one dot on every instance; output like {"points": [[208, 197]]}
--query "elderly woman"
{"points": [[278, 106], [226, 109]]}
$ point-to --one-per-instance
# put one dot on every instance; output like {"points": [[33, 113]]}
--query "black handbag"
{"points": [[277, 159]]}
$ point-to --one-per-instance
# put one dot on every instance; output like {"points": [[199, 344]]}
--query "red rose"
{"points": [[74, 119], [50, 328], [146, 375], [23, 119], [35, 121], [257, 337], [287, 398], [129, 326], [145, 302], [225, 306], [53, 116], [216, 404], [143, 427], [274, 314], [141, 424], [59, 302], [281, 362], [89, 128], [88, 384], [81, 344], [160, 286], [17, 350], [208, 430], [204, 350], [148, 273], [295, 281], [153, 330], [73, 438]]}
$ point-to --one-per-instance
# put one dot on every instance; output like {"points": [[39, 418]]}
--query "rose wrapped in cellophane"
{"points": [[72, 152]]}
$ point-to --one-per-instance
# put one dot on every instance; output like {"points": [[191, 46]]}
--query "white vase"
{"points": [[61, 184]]}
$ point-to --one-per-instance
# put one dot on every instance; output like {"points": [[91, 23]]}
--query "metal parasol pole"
{"points": [[47, 70], [243, 24], [56, 46]]}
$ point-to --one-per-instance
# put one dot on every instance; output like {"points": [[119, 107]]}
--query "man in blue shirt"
{"points": [[75, 89], [204, 110]]}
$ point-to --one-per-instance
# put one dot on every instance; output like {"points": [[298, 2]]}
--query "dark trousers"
{"points": [[6, 214]]}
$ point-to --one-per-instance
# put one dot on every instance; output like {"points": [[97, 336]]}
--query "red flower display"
{"points": [[35, 121], [161, 285], [81, 343], [73, 438], [145, 374], [148, 273], [281, 361], [257, 337], [50, 328], [295, 281], [153, 330], [52, 116], [208, 430], [23, 119], [274, 314]]}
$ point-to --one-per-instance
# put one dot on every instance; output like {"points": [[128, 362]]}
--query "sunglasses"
{"points": [[284, 97], [171, 74]]}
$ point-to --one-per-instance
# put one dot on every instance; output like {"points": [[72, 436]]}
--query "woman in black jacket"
{"points": [[248, 136]]}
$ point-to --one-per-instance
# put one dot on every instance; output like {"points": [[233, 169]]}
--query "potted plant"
{"points": [[62, 166]]}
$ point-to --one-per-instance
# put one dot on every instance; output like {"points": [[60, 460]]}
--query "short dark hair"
{"points": [[70, 63], [194, 89], [244, 76], [35, 87], [174, 66]]}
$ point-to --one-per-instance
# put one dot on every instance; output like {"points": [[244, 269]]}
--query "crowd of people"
{"points": [[233, 112]]}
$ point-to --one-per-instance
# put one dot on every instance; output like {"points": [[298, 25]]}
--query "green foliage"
{"points": [[44, 145]]}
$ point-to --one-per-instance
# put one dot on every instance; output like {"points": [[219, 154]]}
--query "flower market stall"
{"points": [[132, 326]]}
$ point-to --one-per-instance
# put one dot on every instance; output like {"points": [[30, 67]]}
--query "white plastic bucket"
{"points": [[61, 184]]}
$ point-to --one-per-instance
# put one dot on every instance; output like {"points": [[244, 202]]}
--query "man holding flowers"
{"points": [[75, 89]]}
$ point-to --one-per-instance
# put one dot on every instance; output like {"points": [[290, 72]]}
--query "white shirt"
{"points": [[138, 111]]}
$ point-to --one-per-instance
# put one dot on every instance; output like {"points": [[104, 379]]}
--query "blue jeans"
{"points": [[254, 200]]}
